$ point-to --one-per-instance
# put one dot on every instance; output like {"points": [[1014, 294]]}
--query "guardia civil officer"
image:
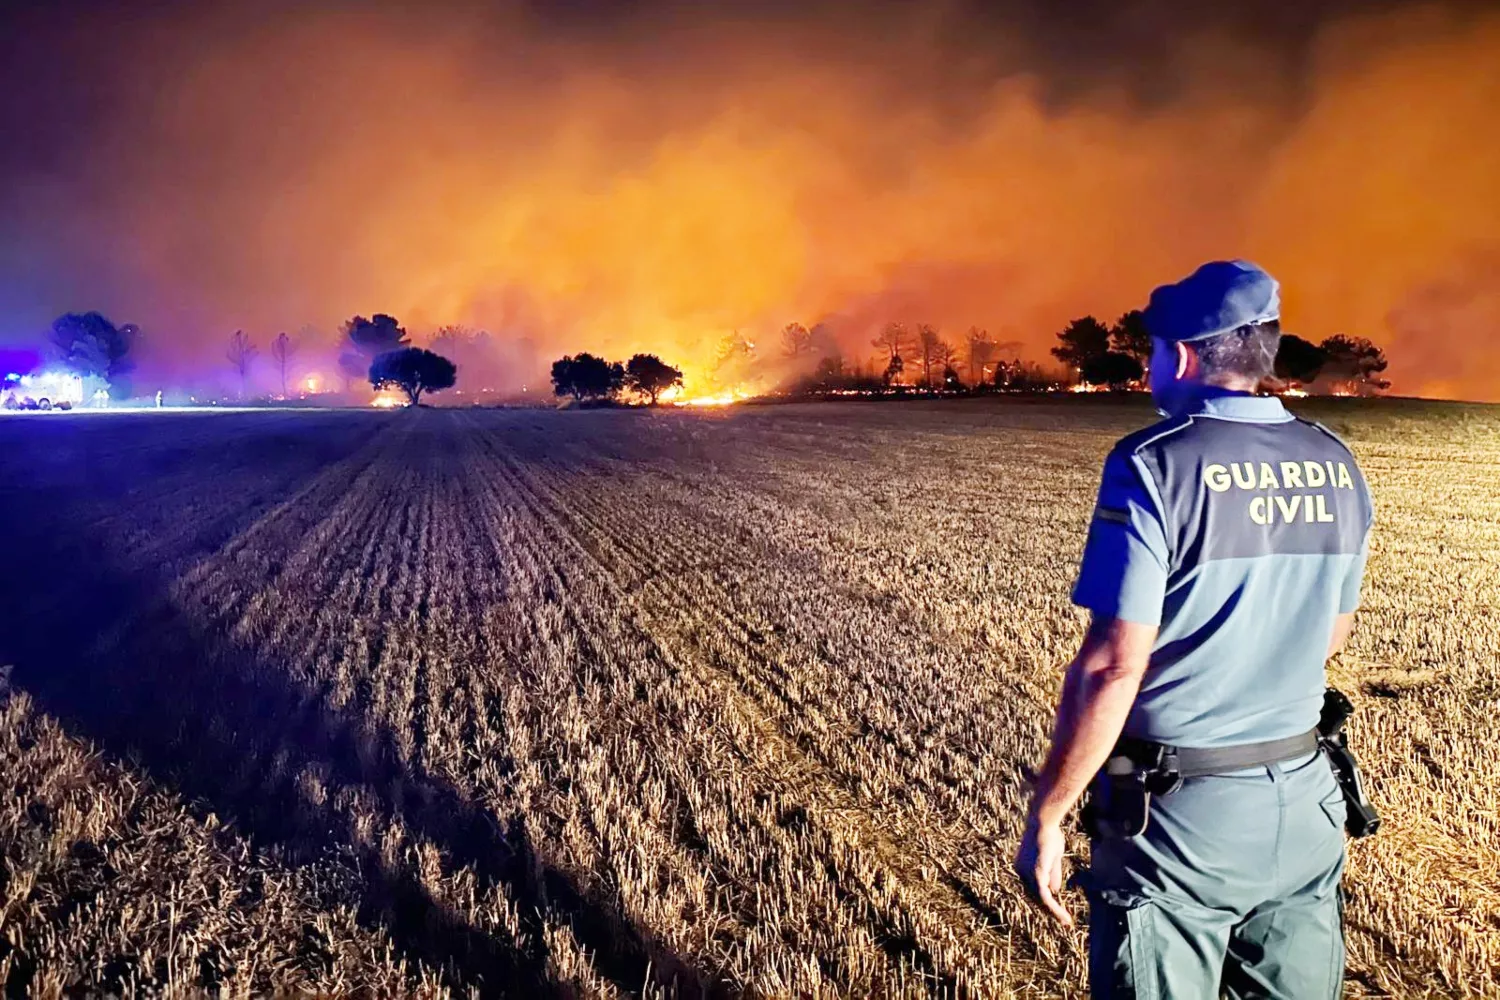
{"points": [[1222, 568]]}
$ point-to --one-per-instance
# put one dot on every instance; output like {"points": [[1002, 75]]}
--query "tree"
{"points": [[282, 349], [1112, 368], [945, 355], [981, 352], [375, 336], [90, 346], [587, 377], [1130, 336], [1299, 360], [1083, 339], [1356, 363], [650, 376], [413, 371], [796, 340], [893, 369], [930, 350], [894, 340], [829, 374], [241, 353]]}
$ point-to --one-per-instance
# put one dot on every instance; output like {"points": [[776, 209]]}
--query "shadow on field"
{"points": [[104, 649]]}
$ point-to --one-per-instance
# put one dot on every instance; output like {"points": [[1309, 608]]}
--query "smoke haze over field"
{"points": [[621, 179]]}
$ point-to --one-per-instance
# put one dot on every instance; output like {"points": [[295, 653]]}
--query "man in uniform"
{"points": [[1222, 569]]}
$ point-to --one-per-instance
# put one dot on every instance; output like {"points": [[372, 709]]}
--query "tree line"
{"points": [[1118, 355], [588, 378], [378, 349]]}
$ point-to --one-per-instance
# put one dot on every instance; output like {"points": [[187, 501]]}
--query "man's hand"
{"points": [[1039, 862]]}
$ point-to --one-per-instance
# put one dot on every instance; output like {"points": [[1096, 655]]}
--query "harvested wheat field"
{"points": [[616, 704]]}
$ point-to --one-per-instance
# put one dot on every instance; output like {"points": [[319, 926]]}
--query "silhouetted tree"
{"points": [[945, 356], [1083, 339], [587, 377], [90, 346], [930, 347], [829, 374], [1299, 360], [282, 349], [650, 376], [894, 340], [374, 336], [981, 352], [413, 371], [1355, 362], [241, 353], [796, 340], [1021, 376], [1130, 336], [1112, 368], [893, 370]]}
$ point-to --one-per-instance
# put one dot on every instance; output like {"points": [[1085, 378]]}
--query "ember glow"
{"points": [[648, 181]]}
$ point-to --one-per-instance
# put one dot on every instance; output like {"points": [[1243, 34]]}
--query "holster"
{"points": [[1119, 800], [1361, 820]]}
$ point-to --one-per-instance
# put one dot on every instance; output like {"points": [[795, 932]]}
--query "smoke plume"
{"points": [[657, 183]]}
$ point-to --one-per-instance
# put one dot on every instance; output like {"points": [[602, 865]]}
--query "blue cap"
{"points": [[1218, 297]]}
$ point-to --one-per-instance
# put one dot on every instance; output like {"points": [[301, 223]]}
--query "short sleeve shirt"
{"points": [[1242, 532]]}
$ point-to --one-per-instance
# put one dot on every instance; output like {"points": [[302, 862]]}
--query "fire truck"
{"points": [[42, 391]]}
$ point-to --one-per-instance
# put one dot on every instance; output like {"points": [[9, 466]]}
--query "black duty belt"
{"points": [[1198, 762]]}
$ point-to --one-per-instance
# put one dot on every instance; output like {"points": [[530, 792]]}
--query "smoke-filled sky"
{"points": [[620, 177]]}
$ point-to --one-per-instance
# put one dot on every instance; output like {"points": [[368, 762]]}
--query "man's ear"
{"points": [[1187, 361]]}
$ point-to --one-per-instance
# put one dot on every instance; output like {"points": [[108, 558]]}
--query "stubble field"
{"points": [[617, 704]]}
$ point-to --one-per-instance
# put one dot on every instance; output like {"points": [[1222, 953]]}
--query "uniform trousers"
{"points": [[1232, 890]]}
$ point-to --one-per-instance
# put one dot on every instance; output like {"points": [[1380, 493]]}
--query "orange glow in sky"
{"points": [[604, 197]]}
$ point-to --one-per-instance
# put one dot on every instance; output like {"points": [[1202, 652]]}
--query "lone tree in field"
{"points": [[90, 346], [1083, 339], [650, 376], [241, 353], [587, 377], [413, 371], [1130, 336], [282, 349], [1299, 360], [1113, 368], [1355, 364]]}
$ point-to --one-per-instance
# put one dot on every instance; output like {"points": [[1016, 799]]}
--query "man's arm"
{"points": [[1342, 626], [1098, 689]]}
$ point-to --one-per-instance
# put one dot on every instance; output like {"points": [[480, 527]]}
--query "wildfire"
{"points": [[1298, 393], [1086, 387], [726, 398], [387, 400]]}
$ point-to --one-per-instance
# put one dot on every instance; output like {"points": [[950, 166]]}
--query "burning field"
{"points": [[735, 701]]}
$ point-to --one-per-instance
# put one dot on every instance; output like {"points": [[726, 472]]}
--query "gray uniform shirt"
{"points": [[1242, 532]]}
